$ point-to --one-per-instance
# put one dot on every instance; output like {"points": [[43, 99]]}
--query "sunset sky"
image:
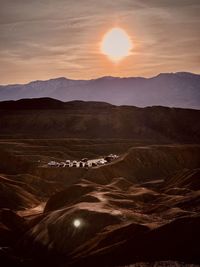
{"points": [[44, 39]]}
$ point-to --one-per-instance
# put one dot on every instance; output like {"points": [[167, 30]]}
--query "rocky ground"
{"points": [[128, 212], [142, 209]]}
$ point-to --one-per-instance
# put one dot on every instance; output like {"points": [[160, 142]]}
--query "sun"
{"points": [[116, 44]]}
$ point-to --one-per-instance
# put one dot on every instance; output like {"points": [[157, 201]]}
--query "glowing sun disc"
{"points": [[116, 44]]}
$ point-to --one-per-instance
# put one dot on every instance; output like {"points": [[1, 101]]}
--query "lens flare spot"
{"points": [[77, 223]]}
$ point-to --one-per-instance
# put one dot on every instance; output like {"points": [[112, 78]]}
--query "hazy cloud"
{"points": [[45, 38]]}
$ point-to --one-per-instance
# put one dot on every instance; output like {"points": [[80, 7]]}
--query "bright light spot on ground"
{"points": [[77, 223]]}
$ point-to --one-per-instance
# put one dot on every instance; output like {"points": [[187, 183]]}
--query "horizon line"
{"points": [[100, 77]]}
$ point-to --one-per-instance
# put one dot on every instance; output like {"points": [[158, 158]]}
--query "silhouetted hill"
{"points": [[39, 103], [180, 89], [77, 119], [49, 103]]}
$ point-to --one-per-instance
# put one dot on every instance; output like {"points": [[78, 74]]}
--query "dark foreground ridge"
{"points": [[50, 104], [50, 118]]}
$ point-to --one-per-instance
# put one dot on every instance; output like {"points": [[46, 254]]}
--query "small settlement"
{"points": [[83, 163]]}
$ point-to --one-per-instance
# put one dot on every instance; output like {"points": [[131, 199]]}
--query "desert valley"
{"points": [[100, 133]]}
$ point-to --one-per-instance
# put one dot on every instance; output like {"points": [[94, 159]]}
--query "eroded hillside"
{"points": [[141, 209]]}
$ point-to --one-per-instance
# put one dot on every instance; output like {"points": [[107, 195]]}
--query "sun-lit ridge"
{"points": [[116, 44]]}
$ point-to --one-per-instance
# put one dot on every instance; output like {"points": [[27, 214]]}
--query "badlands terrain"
{"points": [[142, 209]]}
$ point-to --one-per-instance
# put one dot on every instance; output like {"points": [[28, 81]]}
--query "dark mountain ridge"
{"points": [[179, 89], [42, 118], [49, 103]]}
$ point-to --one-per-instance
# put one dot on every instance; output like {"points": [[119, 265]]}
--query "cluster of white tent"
{"points": [[83, 163]]}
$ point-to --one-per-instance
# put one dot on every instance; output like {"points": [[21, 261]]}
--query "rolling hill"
{"points": [[49, 118]]}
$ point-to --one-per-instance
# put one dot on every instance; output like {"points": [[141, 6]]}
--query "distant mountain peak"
{"points": [[181, 89], [181, 73]]}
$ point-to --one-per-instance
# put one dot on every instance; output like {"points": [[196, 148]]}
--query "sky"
{"points": [[45, 39]]}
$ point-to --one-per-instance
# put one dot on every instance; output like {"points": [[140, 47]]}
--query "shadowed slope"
{"points": [[42, 118], [120, 223]]}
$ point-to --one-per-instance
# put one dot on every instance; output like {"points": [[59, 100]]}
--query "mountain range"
{"points": [[181, 89]]}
